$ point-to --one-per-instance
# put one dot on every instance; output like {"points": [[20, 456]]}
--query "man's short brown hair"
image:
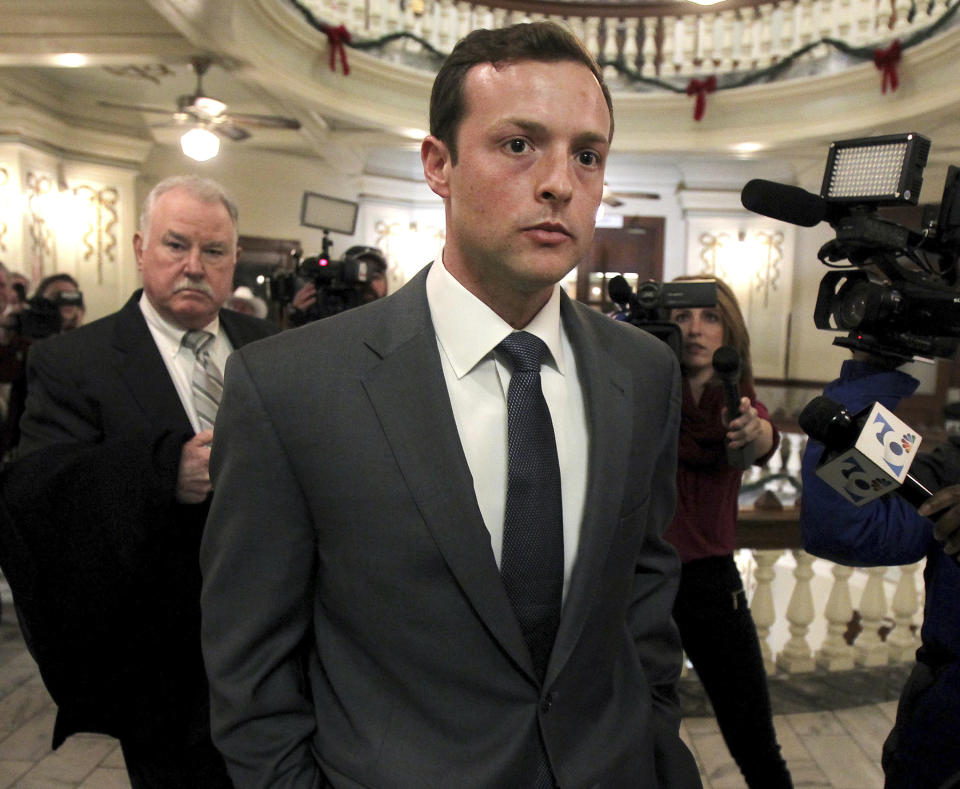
{"points": [[541, 41]]}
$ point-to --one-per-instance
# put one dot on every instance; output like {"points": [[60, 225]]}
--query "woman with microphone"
{"points": [[711, 610]]}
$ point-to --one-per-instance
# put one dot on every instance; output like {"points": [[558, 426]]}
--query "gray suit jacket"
{"points": [[355, 628]]}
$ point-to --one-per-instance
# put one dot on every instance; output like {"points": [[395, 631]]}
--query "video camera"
{"points": [[42, 317], [897, 295], [650, 306], [341, 284]]}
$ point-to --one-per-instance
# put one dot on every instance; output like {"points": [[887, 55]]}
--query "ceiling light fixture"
{"points": [[200, 144]]}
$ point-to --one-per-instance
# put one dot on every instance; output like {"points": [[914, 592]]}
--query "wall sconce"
{"points": [[200, 144]]}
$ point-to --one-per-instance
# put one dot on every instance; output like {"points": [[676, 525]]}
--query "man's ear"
{"points": [[138, 249], [436, 165]]}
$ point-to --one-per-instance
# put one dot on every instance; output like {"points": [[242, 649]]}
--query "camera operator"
{"points": [[922, 749], [57, 306], [307, 305]]}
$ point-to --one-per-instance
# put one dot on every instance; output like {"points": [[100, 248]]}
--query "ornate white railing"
{"points": [[803, 607], [636, 45]]}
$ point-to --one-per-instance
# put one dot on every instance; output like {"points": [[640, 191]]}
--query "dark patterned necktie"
{"points": [[531, 564], [206, 382]]}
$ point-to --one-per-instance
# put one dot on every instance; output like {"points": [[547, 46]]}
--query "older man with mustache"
{"points": [[110, 494]]}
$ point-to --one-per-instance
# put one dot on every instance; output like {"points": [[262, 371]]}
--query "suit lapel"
{"points": [[144, 370], [408, 392], [608, 400]]}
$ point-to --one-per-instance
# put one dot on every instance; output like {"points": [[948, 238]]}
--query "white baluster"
{"points": [[392, 18], [686, 44], [761, 607], [578, 26], [836, 654], [777, 33], [444, 26], [592, 40], [902, 641], [736, 41], [667, 47], [412, 24], [375, 19], [649, 67], [763, 36], [901, 23], [700, 45], [747, 59], [796, 656], [610, 47], [805, 28], [865, 29], [464, 19], [358, 19], [430, 22], [870, 649], [774, 467], [724, 44], [487, 19], [630, 47], [884, 14], [499, 18]]}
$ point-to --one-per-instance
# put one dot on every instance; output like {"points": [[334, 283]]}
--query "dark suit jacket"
{"points": [[101, 558], [355, 628]]}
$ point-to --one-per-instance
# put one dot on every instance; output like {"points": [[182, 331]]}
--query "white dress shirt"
{"points": [[180, 360], [477, 380]]}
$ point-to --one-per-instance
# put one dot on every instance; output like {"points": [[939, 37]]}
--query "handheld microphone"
{"points": [[786, 203], [867, 454], [726, 364]]}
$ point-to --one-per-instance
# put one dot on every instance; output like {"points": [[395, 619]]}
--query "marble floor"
{"points": [[824, 748]]}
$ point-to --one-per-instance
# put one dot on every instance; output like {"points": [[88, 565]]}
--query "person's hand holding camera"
{"points": [[305, 298]]}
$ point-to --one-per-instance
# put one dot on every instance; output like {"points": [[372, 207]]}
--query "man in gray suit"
{"points": [[359, 628]]}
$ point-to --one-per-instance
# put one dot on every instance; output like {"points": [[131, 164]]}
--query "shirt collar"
{"points": [[468, 330], [169, 333]]}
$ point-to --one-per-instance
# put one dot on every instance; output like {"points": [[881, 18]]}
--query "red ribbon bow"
{"points": [[886, 60], [701, 89], [337, 37]]}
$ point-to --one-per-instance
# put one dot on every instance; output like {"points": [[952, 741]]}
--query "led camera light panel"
{"points": [[885, 170]]}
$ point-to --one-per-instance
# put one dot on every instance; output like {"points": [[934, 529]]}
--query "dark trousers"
{"points": [[721, 641], [197, 766], [923, 750]]}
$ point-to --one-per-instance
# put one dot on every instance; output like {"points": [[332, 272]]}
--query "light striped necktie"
{"points": [[206, 381]]}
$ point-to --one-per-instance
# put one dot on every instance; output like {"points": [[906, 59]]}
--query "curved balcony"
{"points": [[772, 75]]}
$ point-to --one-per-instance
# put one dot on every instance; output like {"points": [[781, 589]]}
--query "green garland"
{"points": [[768, 74]]}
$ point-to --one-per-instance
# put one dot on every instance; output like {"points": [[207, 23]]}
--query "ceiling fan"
{"points": [[615, 199], [199, 110]]}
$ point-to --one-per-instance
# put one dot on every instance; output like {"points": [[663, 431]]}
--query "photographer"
{"points": [[921, 751], [57, 306], [311, 302]]}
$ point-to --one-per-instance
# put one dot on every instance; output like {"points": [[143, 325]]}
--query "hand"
{"points": [[305, 298], [746, 428], [193, 478], [947, 527]]}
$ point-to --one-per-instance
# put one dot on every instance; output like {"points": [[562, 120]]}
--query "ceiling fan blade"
{"points": [[133, 107], [638, 195], [264, 121], [226, 129]]}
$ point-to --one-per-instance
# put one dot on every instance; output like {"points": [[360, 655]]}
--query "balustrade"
{"points": [[645, 43], [802, 606]]}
